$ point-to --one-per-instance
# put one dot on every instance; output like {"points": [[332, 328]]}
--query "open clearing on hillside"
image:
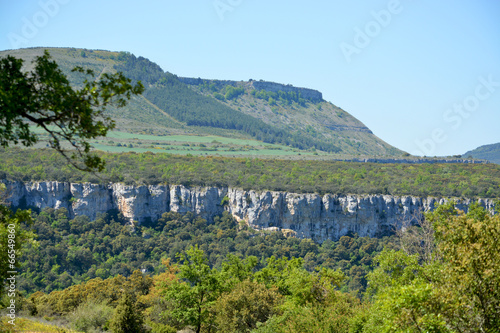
{"points": [[118, 142], [190, 138]]}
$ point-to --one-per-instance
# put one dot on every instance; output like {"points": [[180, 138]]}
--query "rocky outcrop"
{"points": [[305, 215], [338, 128]]}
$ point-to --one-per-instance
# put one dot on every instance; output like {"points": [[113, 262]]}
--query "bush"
{"points": [[162, 328], [219, 97], [91, 317], [126, 317], [246, 305]]}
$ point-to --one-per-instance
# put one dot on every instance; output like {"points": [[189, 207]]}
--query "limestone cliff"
{"points": [[305, 215]]}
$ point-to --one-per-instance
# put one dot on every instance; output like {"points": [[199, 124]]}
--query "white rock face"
{"points": [[304, 215], [40, 195], [203, 201], [141, 202], [89, 199]]}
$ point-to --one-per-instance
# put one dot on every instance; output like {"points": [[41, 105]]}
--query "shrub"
{"points": [[126, 317], [246, 305], [91, 317]]}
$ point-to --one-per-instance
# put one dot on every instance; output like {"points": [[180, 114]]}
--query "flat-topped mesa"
{"points": [[305, 93]]}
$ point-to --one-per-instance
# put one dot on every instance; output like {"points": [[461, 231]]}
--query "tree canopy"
{"points": [[455, 290], [44, 98], [230, 280]]}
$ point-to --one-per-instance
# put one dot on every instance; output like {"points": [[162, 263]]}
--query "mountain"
{"points": [[487, 152], [273, 118]]}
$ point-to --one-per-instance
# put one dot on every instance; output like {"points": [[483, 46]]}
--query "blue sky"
{"points": [[423, 75]]}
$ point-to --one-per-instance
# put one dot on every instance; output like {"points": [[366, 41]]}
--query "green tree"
{"points": [[311, 301], [91, 316], [469, 244], [405, 297], [44, 98], [456, 289], [194, 295], [235, 270], [247, 304], [126, 318]]}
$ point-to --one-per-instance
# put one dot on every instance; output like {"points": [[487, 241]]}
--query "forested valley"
{"points": [[182, 271]]}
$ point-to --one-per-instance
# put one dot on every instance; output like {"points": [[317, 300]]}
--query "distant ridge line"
{"points": [[413, 161]]}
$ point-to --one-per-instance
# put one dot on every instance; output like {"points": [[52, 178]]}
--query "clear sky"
{"points": [[422, 75]]}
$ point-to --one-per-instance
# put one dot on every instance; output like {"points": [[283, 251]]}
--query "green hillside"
{"points": [[284, 118], [487, 152]]}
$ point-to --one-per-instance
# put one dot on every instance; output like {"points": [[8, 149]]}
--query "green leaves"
{"points": [[245, 305], [469, 246], [71, 117], [457, 291], [193, 296], [404, 299], [126, 318]]}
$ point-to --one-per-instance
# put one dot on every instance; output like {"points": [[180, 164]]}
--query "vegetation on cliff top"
{"points": [[443, 180]]}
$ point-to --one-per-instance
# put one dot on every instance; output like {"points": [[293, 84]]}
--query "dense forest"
{"points": [[71, 251], [440, 276], [300, 176], [139, 68]]}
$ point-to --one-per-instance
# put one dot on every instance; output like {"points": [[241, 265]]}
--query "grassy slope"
{"points": [[313, 120], [143, 117]]}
